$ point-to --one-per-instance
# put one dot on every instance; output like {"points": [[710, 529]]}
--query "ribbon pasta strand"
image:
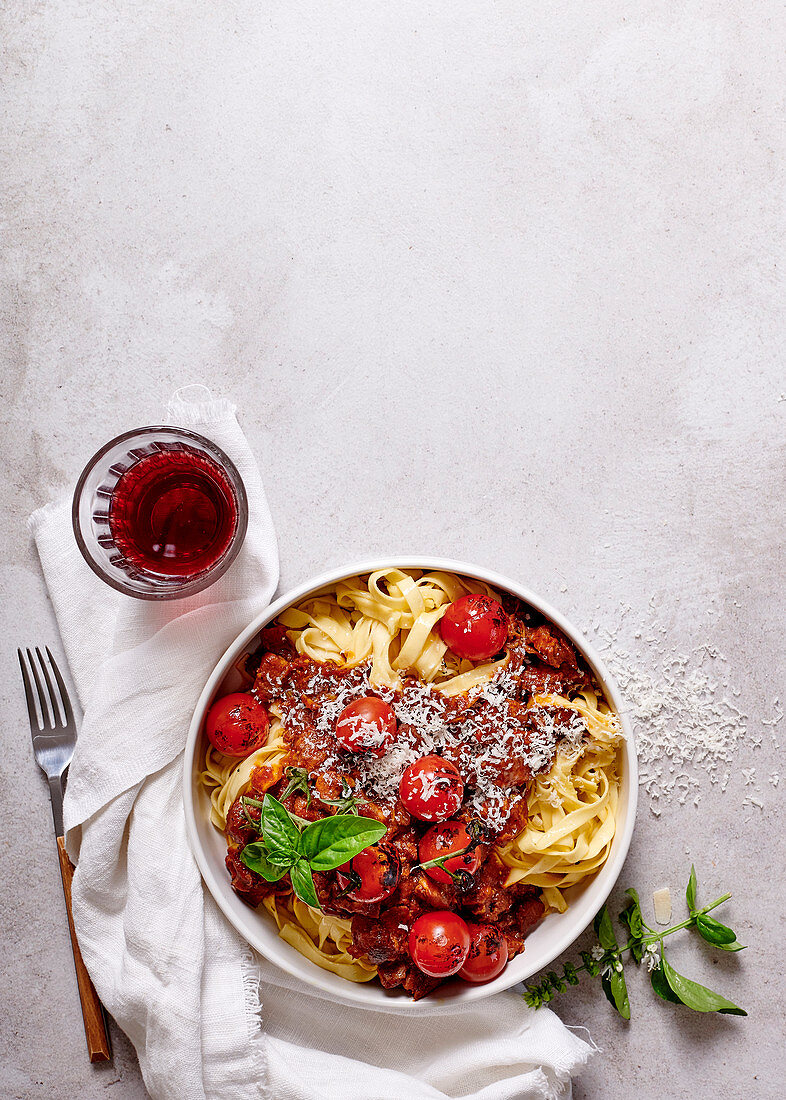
{"points": [[572, 809], [391, 618]]}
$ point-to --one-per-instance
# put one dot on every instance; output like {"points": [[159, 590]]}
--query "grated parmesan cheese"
{"points": [[486, 737], [661, 901], [683, 716]]}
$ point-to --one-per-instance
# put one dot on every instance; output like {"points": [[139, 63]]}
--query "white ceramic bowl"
{"points": [[551, 937]]}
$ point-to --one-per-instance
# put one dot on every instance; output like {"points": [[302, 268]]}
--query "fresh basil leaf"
{"points": [[619, 992], [713, 931], [634, 920], [690, 893], [631, 917], [662, 987], [279, 831], [303, 883], [605, 985], [604, 929], [255, 857], [283, 859], [731, 946], [698, 997], [616, 991], [635, 938], [334, 840]]}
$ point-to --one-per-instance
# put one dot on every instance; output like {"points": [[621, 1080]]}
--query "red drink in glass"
{"points": [[160, 513], [173, 513]]}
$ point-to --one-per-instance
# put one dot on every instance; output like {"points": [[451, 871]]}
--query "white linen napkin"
{"points": [[208, 1018]]}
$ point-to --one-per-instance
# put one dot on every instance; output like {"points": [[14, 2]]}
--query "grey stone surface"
{"points": [[500, 283]]}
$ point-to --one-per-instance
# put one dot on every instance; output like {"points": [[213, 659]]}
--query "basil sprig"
{"points": [[645, 944], [612, 976], [288, 844], [632, 919], [461, 878], [297, 784], [346, 803]]}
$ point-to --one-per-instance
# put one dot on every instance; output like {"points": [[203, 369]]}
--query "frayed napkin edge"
{"points": [[37, 518], [208, 410]]}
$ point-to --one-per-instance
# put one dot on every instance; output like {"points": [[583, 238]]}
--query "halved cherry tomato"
{"points": [[431, 789], [367, 725], [439, 943], [371, 875], [237, 724], [488, 953], [439, 842], [474, 627]]}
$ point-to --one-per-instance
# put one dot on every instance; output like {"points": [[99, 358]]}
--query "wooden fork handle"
{"points": [[92, 1010]]}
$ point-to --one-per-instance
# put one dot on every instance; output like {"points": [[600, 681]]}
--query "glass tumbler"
{"points": [[160, 513]]}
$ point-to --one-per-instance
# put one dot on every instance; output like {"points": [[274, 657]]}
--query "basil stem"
{"points": [[473, 829]]}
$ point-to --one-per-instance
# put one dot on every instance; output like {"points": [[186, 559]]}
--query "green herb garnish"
{"points": [[346, 803], [645, 944], [289, 844], [297, 784], [461, 878]]}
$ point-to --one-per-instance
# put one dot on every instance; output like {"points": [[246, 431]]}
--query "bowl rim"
{"points": [[599, 887]]}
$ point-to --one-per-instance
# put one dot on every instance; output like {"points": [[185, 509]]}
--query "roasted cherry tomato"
{"points": [[372, 875], [367, 725], [439, 943], [488, 953], [237, 724], [439, 842], [474, 627], [431, 789]]}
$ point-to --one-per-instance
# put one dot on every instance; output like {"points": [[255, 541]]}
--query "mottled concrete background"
{"points": [[496, 282]]}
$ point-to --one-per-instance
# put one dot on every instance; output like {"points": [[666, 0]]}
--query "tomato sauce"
{"points": [[493, 735]]}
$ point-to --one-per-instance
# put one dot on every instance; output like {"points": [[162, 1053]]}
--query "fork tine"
{"points": [[54, 699], [46, 719], [35, 726], [64, 699]]}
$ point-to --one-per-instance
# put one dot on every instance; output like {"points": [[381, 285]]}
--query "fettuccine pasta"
{"points": [[572, 809], [386, 625]]}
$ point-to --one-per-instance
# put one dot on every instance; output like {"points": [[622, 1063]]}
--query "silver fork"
{"points": [[53, 730]]}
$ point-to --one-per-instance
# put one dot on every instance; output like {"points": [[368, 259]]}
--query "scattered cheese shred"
{"points": [[683, 711], [661, 900]]}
